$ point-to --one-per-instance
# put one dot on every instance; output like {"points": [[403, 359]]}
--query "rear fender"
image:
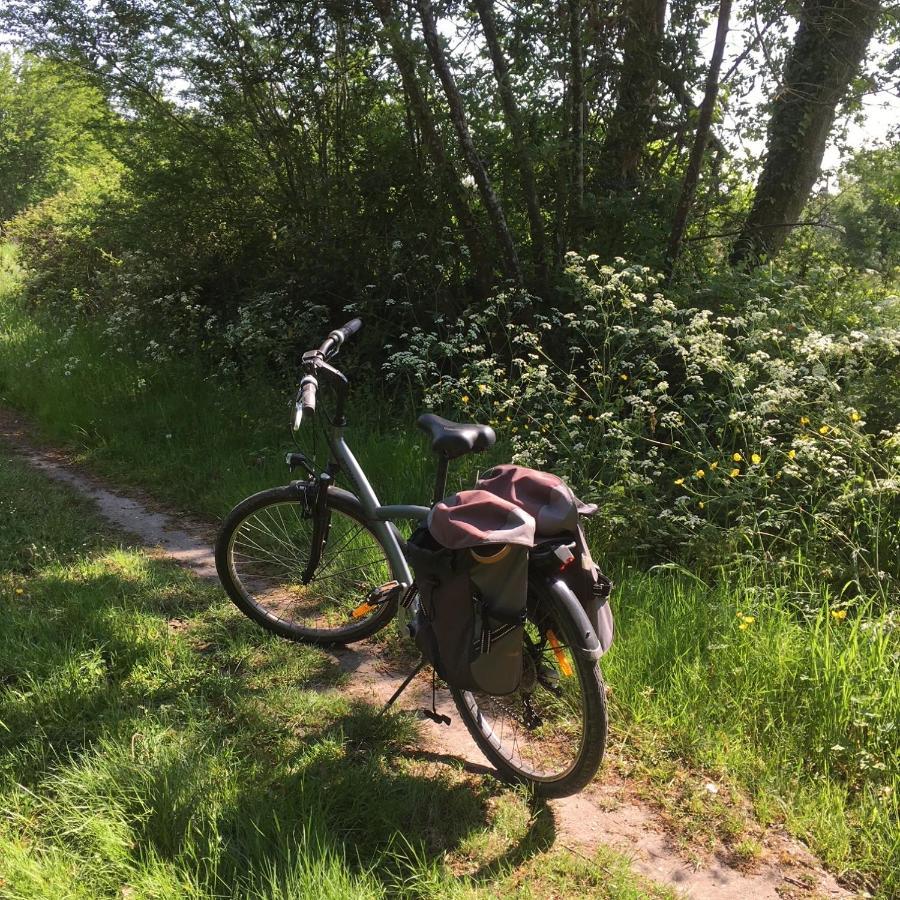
{"points": [[562, 594]]}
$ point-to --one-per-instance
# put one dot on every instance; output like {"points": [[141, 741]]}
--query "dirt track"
{"points": [[608, 813]]}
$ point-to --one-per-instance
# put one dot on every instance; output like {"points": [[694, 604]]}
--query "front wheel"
{"points": [[551, 733], [262, 554]]}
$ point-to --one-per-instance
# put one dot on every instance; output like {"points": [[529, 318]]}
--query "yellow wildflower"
{"points": [[624, 377], [736, 457], [465, 399], [740, 615], [792, 454], [679, 481], [854, 416], [734, 473], [700, 473], [804, 420], [482, 388], [748, 620], [825, 429], [590, 418], [756, 459], [839, 614], [702, 505], [713, 466], [743, 626], [19, 591]]}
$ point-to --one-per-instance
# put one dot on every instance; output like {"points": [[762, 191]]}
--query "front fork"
{"points": [[321, 517]]}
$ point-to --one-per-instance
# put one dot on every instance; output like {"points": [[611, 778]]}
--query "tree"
{"points": [[405, 62], [628, 130], [827, 52], [521, 148], [701, 138], [477, 169]]}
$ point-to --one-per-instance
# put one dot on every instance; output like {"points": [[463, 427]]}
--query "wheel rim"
{"points": [[268, 553], [538, 732]]}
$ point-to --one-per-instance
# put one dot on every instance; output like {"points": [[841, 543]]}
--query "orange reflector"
{"points": [[362, 610], [564, 665]]}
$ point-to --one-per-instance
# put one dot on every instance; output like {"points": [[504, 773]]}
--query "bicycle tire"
{"points": [[594, 726], [285, 511]]}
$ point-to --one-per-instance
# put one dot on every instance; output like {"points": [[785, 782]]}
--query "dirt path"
{"points": [[607, 813]]}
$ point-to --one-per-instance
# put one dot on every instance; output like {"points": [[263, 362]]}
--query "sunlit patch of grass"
{"points": [[799, 714]]}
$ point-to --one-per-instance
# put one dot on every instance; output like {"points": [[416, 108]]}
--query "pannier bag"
{"points": [[471, 566], [556, 510]]}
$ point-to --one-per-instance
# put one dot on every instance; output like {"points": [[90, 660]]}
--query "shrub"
{"points": [[699, 434]]}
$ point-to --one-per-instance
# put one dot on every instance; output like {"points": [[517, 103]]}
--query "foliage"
{"points": [[715, 434], [50, 129]]}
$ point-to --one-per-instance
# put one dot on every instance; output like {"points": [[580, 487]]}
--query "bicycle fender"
{"points": [[562, 593], [310, 489]]}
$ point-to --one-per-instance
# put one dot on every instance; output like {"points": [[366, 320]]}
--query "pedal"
{"points": [[434, 715]]}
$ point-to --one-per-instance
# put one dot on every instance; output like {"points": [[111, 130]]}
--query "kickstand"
{"points": [[419, 666], [432, 713]]}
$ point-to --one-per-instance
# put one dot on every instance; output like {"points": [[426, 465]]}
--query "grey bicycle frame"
{"points": [[377, 516]]}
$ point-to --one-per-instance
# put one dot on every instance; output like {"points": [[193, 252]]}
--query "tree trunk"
{"points": [[470, 154], [701, 138], [827, 52], [628, 130], [576, 83], [520, 146], [456, 195]]}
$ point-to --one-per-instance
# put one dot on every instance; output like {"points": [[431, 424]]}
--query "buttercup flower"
{"points": [[825, 429], [792, 454], [465, 399], [736, 457], [839, 614], [734, 473], [679, 481], [804, 420], [700, 473], [756, 459]]}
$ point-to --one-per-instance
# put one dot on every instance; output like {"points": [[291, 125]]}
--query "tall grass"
{"points": [[759, 680]]}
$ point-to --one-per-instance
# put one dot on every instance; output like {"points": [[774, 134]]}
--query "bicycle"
{"points": [[313, 562]]}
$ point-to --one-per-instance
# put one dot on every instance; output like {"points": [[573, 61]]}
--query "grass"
{"points": [[794, 714], [153, 743]]}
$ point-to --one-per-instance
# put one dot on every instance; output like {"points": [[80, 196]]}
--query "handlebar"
{"points": [[333, 342], [314, 360]]}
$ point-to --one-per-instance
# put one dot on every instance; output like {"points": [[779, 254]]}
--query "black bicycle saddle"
{"points": [[454, 439]]}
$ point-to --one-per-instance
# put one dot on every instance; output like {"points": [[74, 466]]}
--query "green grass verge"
{"points": [[155, 744], [797, 710]]}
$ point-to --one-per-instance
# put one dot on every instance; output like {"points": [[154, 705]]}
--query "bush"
{"points": [[700, 435]]}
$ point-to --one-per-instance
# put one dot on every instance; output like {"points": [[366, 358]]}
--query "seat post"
{"points": [[440, 478]]}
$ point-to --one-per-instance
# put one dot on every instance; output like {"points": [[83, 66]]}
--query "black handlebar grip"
{"points": [[308, 388], [350, 328]]}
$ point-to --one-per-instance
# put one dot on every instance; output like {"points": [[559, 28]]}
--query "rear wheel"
{"points": [[262, 553], [551, 732]]}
